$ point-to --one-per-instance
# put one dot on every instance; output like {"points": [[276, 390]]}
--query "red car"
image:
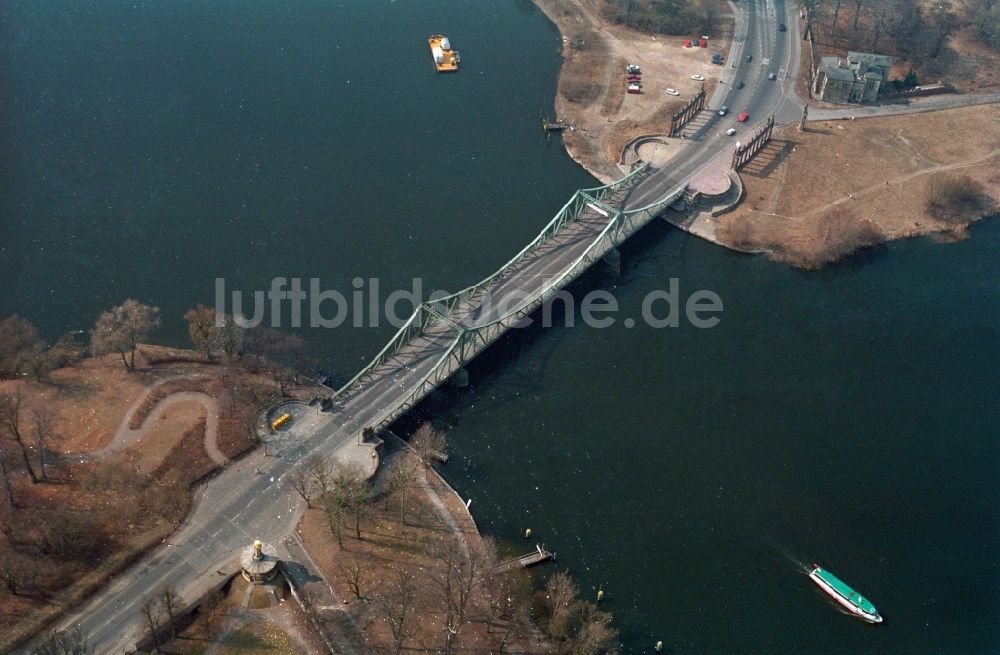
{"points": [[743, 117]]}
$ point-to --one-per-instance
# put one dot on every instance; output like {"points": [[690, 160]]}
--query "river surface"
{"points": [[846, 417]]}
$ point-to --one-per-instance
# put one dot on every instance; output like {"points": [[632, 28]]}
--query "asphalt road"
{"points": [[772, 52], [240, 505]]}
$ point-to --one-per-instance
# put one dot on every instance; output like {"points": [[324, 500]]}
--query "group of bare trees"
{"points": [[161, 614], [956, 199], [63, 642], [24, 354], [917, 30], [578, 626], [665, 16], [34, 437], [340, 490], [462, 587]]}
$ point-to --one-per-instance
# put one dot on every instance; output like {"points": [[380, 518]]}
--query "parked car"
{"points": [[634, 87], [749, 57], [673, 92], [740, 84], [632, 69], [697, 77], [723, 110], [743, 117], [781, 27], [772, 76], [731, 131]]}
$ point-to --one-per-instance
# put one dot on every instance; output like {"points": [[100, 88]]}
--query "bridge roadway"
{"points": [[240, 505]]}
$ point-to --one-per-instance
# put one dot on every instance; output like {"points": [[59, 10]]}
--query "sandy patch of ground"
{"points": [[875, 168], [592, 89]]}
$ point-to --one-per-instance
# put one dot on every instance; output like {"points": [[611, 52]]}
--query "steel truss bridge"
{"points": [[445, 333]]}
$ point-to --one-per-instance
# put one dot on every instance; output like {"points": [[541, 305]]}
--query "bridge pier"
{"points": [[613, 258], [460, 378]]}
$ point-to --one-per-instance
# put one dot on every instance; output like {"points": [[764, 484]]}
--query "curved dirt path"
{"points": [[125, 436]]}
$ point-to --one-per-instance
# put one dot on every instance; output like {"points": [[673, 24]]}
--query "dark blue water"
{"points": [[846, 417]]}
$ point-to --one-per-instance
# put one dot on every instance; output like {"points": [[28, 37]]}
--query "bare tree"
{"points": [[857, 13], [66, 351], [43, 419], [8, 492], [404, 478], [150, 611], [352, 492], [594, 635], [322, 480], [122, 328], [883, 15], [354, 575], [206, 611], [836, 14], [263, 342], [231, 337], [517, 624], [561, 598], [497, 586], [429, 442], [20, 344], [396, 606], [171, 603], [10, 424], [64, 642], [944, 21], [456, 575], [301, 481], [202, 329], [8, 574]]}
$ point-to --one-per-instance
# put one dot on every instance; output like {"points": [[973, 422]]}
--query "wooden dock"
{"points": [[554, 125], [537, 556]]}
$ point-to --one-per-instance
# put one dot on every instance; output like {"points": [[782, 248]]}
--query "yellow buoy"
{"points": [[527, 533], [600, 595], [659, 646]]}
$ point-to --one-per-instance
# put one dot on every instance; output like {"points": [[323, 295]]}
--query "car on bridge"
{"points": [[772, 76], [744, 115], [781, 27], [749, 57]]}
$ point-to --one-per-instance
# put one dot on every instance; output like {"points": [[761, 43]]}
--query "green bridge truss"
{"points": [[465, 339]]}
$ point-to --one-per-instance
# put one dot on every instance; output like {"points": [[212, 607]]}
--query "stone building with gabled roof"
{"points": [[859, 78]]}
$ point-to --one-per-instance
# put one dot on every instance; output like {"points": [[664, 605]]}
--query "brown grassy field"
{"points": [[389, 544], [875, 170], [65, 536]]}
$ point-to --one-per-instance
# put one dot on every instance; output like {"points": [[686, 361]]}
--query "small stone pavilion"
{"points": [[259, 562]]}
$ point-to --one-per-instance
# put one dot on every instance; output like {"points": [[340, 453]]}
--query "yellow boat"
{"points": [[445, 59]]}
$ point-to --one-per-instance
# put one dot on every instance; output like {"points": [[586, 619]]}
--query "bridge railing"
{"points": [[410, 329], [620, 227], [430, 380], [430, 312], [569, 213]]}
